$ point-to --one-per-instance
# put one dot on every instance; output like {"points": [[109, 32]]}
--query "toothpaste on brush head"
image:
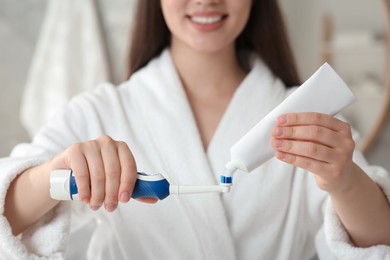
{"points": [[324, 92]]}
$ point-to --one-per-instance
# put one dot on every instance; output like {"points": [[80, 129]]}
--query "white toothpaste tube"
{"points": [[324, 92]]}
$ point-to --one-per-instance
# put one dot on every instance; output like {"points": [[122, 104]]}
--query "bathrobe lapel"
{"points": [[258, 94], [171, 124], [172, 128]]}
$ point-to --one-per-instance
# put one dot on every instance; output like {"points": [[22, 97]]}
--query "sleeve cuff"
{"points": [[47, 237], [338, 238]]}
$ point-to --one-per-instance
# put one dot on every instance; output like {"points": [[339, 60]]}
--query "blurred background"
{"points": [[51, 50], [20, 22]]}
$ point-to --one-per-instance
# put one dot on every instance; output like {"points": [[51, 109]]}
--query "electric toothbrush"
{"points": [[63, 187]]}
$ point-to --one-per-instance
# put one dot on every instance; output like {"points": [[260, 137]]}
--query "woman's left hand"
{"points": [[318, 143]]}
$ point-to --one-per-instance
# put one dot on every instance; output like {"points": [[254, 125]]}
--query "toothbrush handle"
{"points": [[63, 186], [146, 186]]}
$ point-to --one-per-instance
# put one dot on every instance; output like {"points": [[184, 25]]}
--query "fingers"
{"points": [[95, 166], [311, 118], [314, 133], [316, 142], [147, 200], [306, 149], [104, 169], [78, 163], [306, 163], [128, 178], [328, 176], [112, 169], [128, 168], [311, 129]]}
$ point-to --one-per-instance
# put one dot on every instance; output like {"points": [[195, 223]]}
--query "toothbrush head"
{"points": [[226, 180]]}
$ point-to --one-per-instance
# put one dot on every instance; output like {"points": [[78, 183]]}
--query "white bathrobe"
{"points": [[274, 212]]}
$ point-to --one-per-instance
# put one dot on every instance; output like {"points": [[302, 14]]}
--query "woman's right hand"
{"points": [[105, 171]]}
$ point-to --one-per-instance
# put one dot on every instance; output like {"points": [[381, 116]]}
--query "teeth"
{"points": [[206, 20]]}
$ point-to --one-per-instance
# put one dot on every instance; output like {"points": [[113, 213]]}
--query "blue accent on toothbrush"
{"points": [[158, 189], [226, 179], [143, 188], [72, 185]]}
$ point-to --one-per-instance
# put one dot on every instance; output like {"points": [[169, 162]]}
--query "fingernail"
{"points": [[124, 197], [110, 207], [277, 143], [278, 131], [282, 119], [85, 200], [280, 155], [94, 207]]}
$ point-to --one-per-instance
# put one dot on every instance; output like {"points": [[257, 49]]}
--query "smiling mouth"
{"points": [[207, 19]]}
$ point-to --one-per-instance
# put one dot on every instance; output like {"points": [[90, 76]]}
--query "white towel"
{"points": [[70, 58]]}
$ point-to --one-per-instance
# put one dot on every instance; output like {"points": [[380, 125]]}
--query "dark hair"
{"points": [[264, 34]]}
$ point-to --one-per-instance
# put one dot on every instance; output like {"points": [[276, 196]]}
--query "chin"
{"points": [[211, 48]]}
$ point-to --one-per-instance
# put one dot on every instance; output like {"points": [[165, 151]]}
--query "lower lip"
{"points": [[208, 27]]}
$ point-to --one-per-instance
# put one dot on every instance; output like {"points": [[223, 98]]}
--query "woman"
{"points": [[202, 73]]}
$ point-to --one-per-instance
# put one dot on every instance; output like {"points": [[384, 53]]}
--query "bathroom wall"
{"points": [[19, 28], [304, 19]]}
